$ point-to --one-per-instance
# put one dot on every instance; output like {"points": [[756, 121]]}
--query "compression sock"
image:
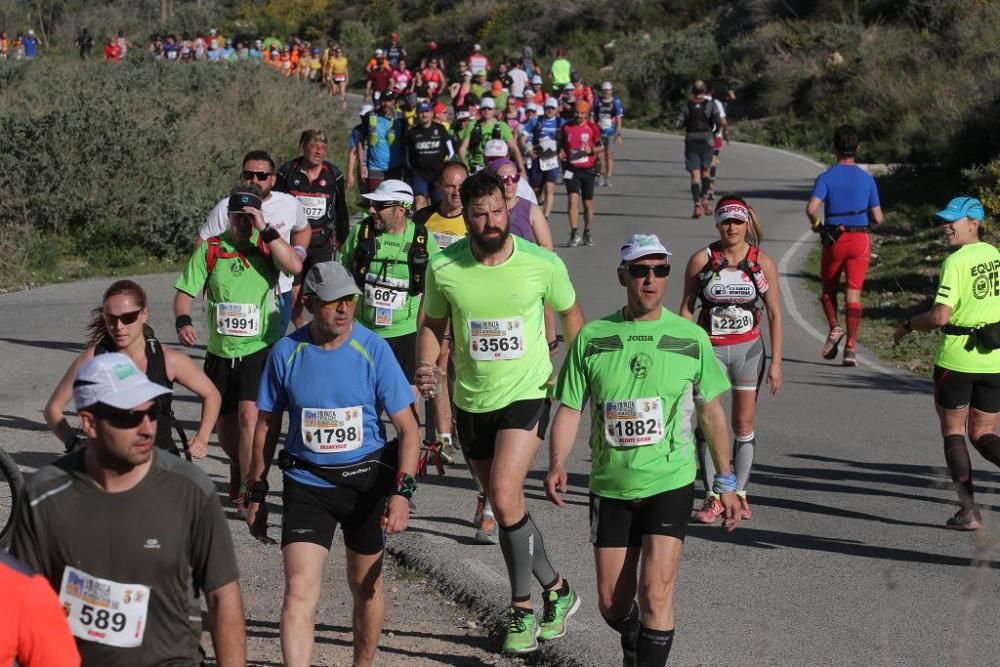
{"points": [[654, 647], [711, 175], [628, 628], [989, 446], [696, 192], [829, 301], [853, 322], [956, 454], [705, 186], [705, 456], [743, 449], [544, 573]]}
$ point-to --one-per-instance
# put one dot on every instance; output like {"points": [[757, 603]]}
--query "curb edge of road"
{"points": [[457, 580]]}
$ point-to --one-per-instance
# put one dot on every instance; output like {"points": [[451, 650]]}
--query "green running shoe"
{"points": [[522, 631], [557, 610]]}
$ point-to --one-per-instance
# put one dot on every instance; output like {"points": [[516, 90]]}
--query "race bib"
{"points": [[387, 293], [326, 430], [314, 207], [104, 611], [490, 340], [604, 122], [444, 239], [728, 320], [339, 77], [548, 163], [567, 175], [237, 319], [634, 423], [579, 157]]}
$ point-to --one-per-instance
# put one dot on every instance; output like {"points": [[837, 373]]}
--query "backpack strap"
{"points": [[496, 134], [364, 251], [417, 258]]}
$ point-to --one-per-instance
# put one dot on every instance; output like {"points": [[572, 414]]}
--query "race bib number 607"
{"points": [[104, 611]]}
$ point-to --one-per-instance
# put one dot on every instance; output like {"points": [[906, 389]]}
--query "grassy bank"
{"points": [[109, 170]]}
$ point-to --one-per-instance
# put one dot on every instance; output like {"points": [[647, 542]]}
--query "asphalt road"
{"points": [[845, 561]]}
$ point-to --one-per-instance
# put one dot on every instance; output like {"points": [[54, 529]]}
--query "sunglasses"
{"points": [[382, 205], [733, 221], [333, 305], [642, 270], [513, 178], [124, 318], [129, 418], [258, 175]]}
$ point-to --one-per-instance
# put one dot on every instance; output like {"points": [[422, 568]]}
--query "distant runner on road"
{"points": [[967, 365], [699, 118], [639, 368]]}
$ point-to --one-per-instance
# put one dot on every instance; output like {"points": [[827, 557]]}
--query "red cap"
{"points": [[440, 109]]}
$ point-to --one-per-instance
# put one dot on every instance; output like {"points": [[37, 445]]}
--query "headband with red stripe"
{"points": [[733, 210]]}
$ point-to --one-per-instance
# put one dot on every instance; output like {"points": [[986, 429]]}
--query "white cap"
{"points": [[529, 93], [551, 103], [536, 79], [569, 86], [365, 108], [531, 106], [114, 380], [379, 53], [495, 148], [606, 85], [391, 190], [642, 245], [487, 103], [476, 47]]}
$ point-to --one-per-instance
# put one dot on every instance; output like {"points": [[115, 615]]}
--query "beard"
{"points": [[490, 243]]}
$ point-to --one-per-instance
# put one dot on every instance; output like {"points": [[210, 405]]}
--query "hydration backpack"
{"points": [[416, 258], [699, 116]]}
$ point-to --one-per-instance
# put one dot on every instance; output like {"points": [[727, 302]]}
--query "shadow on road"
{"points": [[73, 346]]}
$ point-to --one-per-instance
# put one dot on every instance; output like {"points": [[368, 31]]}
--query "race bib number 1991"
{"points": [[633, 423], [237, 319], [490, 340], [104, 611]]}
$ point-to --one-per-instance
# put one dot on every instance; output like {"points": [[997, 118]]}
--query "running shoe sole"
{"points": [[954, 523], [850, 359], [572, 610], [832, 345]]}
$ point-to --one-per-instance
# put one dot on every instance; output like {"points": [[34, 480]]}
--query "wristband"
{"points": [[257, 491], [300, 251], [907, 325], [405, 485], [270, 234], [183, 321], [724, 483], [553, 345]]}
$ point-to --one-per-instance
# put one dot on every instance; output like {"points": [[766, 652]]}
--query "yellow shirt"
{"points": [[337, 65], [446, 230]]}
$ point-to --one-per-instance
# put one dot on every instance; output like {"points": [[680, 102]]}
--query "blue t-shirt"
{"points": [[381, 155], [30, 47], [847, 192], [334, 397], [550, 127]]}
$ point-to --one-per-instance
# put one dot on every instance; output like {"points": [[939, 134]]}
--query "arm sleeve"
{"points": [[711, 380], [216, 222], [435, 304], [949, 284], [560, 294], [571, 389], [45, 639], [271, 395], [213, 561], [195, 273]]}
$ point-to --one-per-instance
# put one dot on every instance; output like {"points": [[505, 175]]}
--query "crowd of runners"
{"points": [[439, 314]]}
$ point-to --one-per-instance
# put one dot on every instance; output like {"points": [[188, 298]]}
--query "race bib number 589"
{"points": [[104, 611]]}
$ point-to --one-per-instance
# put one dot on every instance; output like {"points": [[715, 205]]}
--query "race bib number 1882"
{"points": [[633, 423], [104, 611]]}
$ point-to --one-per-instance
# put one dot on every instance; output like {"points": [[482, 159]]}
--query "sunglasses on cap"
{"points": [[642, 270], [258, 175], [125, 318], [128, 418]]}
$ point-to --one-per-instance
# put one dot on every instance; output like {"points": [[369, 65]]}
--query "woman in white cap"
{"points": [[729, 278], [967, 366]]}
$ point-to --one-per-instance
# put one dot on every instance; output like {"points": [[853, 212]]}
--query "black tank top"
{"points": [[156, 371]]}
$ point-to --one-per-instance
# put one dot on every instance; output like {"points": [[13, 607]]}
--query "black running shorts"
{"points": [[955, 390], [697, 154], [236, 379], [404, 348], [311, 514], [477, 431], [622, 523], [581, 183]]}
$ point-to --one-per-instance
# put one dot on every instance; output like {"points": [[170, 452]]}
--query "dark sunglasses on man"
{"points": [[127, 418], [642, 270], [258, 175]]}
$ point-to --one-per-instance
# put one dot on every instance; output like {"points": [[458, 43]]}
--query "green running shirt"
{"points": [[639, 377], [970, 285], [497, 316], [389, 275], [242, 315]]}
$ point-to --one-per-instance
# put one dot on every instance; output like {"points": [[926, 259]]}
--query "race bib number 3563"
{"points": [[633, 423], [491, 340], [237, 319], [104, 611], [328, 430]]}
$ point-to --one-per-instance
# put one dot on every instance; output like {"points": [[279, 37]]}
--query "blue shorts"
{"points": [[536, 176], [285, 310], [420, 184], [609, 133]]}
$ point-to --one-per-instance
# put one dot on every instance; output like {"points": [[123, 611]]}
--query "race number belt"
{"points": [[104, 611], [492, 340], [729, 320], [327, 430], [237, 319], [633, 423]]}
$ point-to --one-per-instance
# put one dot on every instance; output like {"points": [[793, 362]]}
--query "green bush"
{"points": [[124, 162]]}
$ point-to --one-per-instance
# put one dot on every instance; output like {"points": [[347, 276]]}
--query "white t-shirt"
{"points": [[519, 79], [281, 211], [524, 191]]}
